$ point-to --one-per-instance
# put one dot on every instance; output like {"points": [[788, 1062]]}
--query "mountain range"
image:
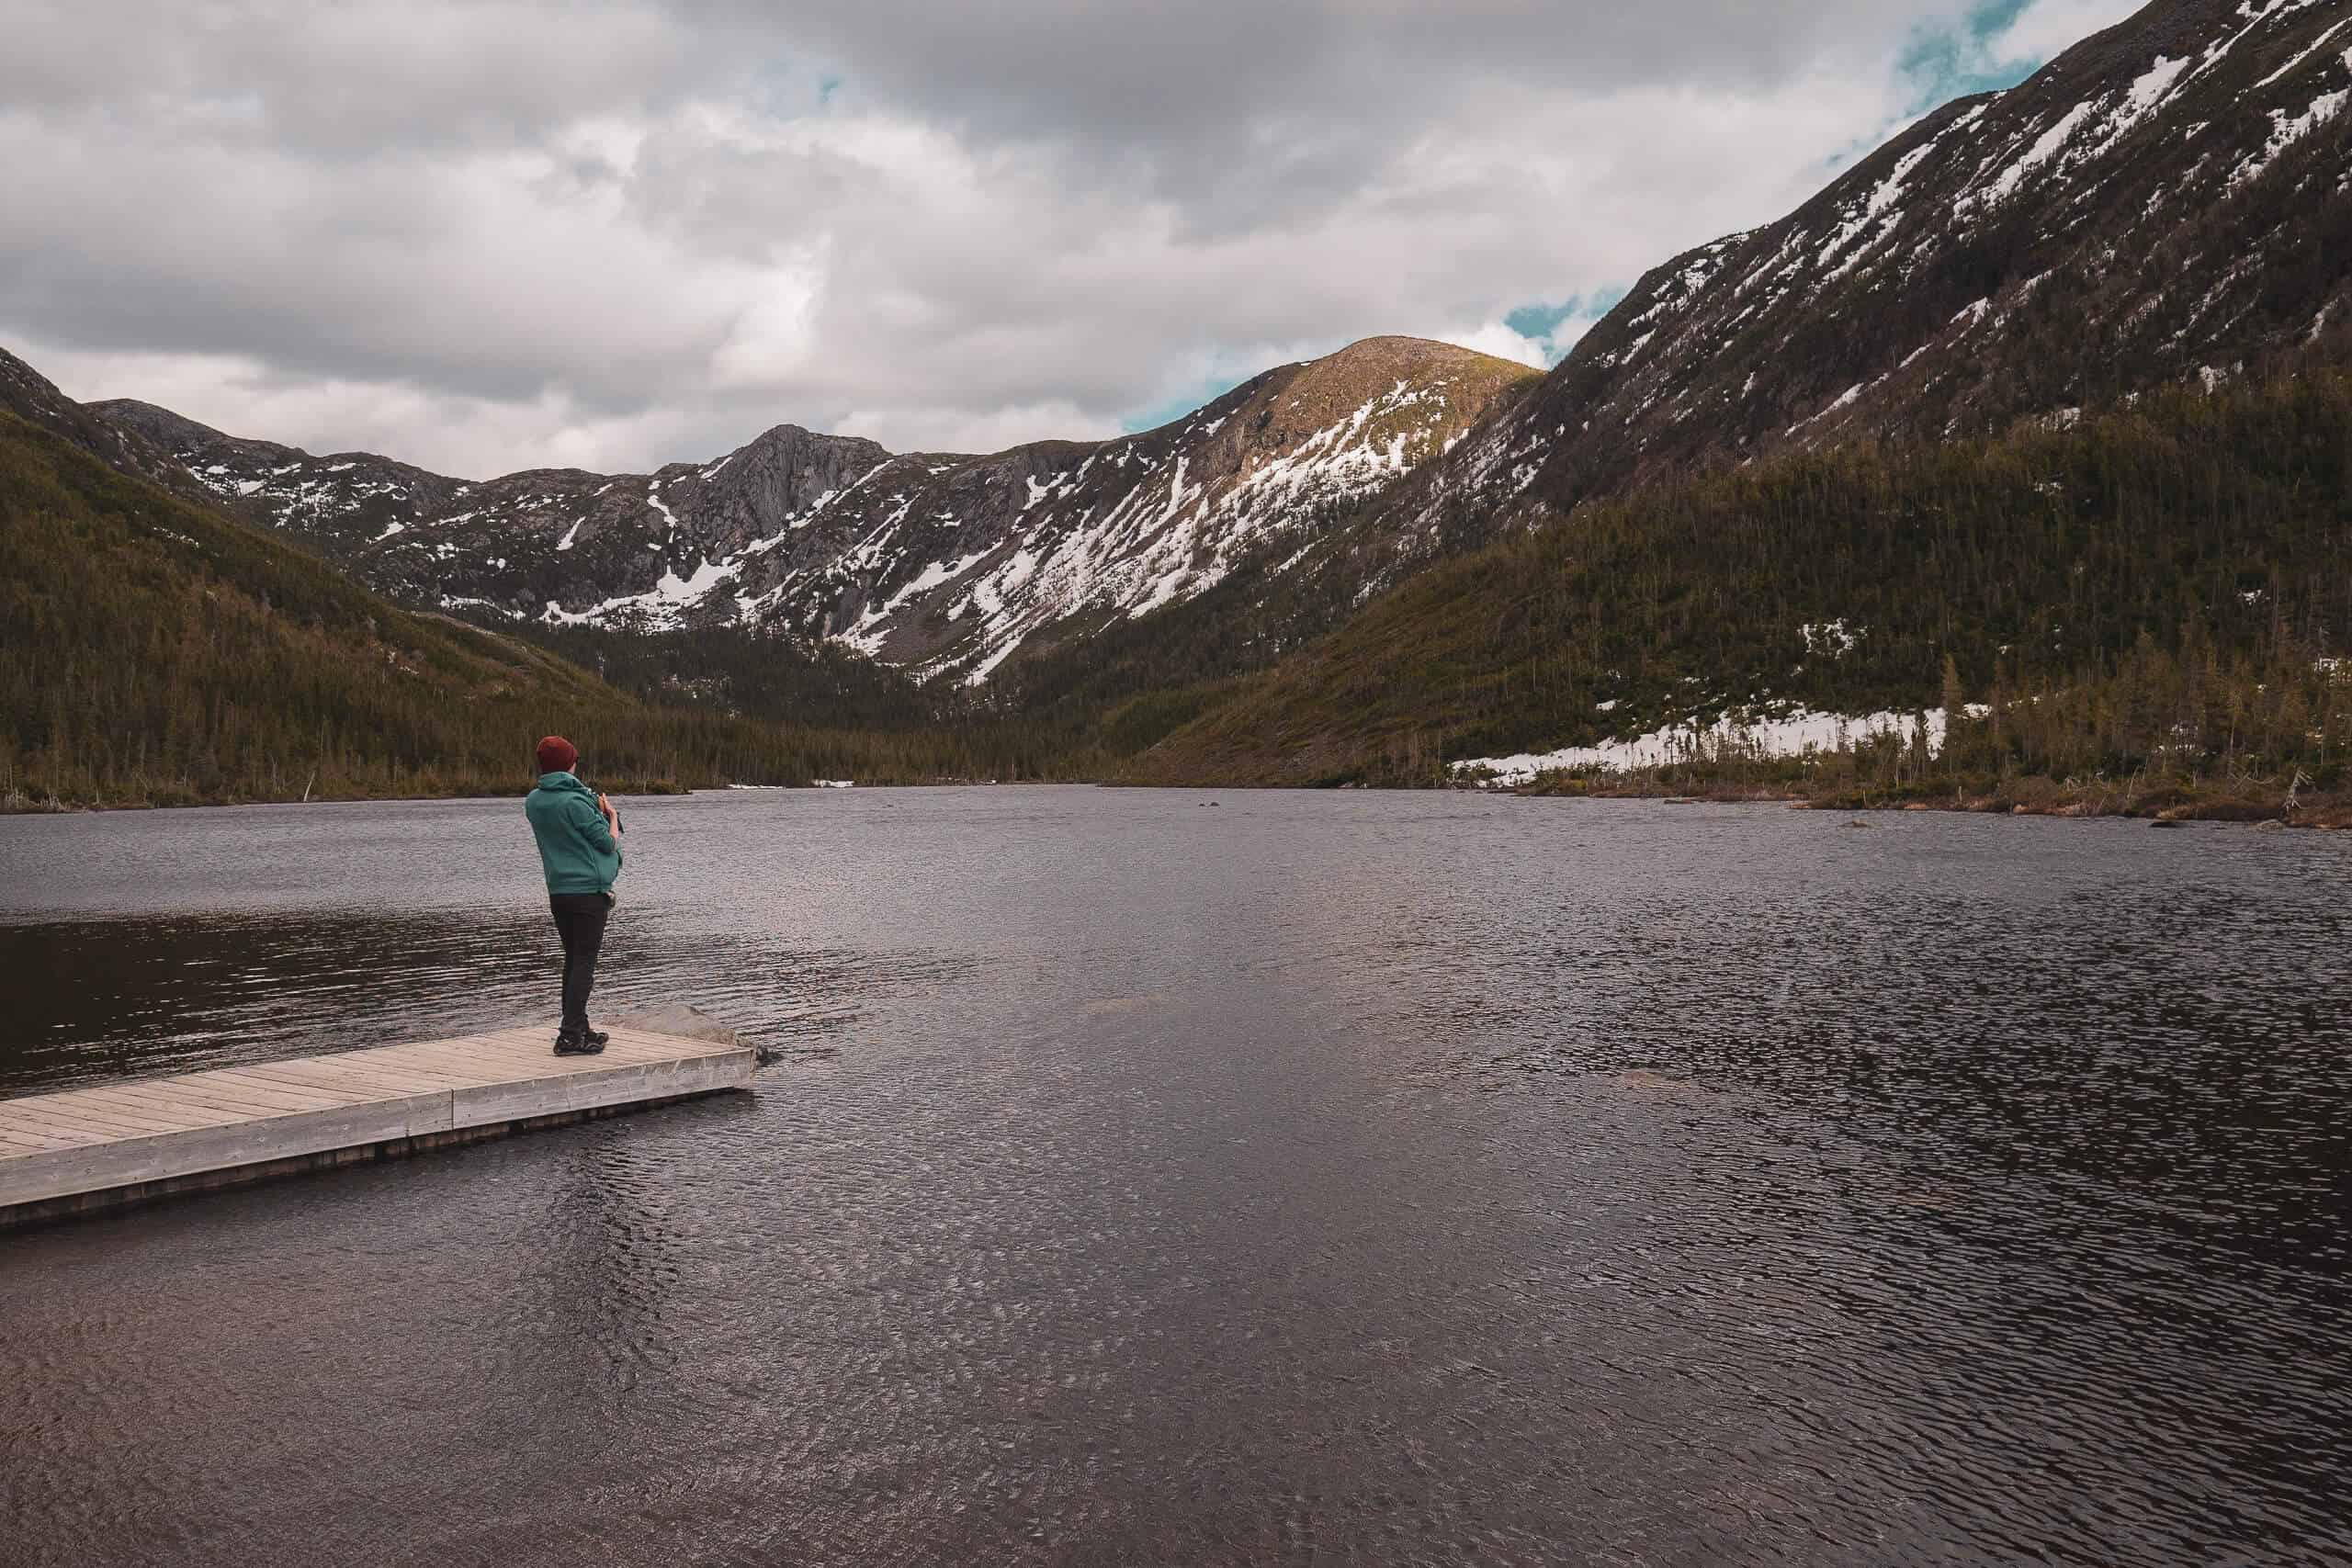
{"points": [[942, 562], [2015, 289]]}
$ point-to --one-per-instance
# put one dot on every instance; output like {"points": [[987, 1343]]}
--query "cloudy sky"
{"points": [[522, 233]]}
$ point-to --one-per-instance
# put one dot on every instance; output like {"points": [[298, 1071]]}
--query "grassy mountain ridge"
{"points": [[2200, 533]]}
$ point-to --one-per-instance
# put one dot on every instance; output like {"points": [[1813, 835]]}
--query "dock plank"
{"points": [[242, 1083], [86, 1146], [236, 1094], [24, 1140], [104, 1117], [490, 1058], [362, 1081], [176, 1116]]}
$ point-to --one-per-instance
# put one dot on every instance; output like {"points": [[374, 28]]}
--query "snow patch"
{"points": [[1873, 212], [1784, 732], [1846, 399], [1831, 638], [2005, 184], [660, 606], [661, 506], [2289, 69], [2259, 13], [2285, 133]]}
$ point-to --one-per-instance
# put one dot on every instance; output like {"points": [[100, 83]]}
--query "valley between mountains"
{"points": [[2024, 449]]}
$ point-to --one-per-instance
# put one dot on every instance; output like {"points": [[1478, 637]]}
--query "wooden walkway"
{"points": [[92, 1148]]}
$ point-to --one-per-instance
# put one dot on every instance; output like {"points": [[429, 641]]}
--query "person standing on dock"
{"points": [[578, 835]]}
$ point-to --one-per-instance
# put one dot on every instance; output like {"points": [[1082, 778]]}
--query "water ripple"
{"points": [[1321, 1177]]}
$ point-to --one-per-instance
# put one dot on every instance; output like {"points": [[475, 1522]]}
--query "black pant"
{"points": [[580, 919]]}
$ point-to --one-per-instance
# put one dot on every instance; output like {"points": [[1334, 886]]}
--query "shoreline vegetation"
{"points": [[18, 802], [1804, 785]]}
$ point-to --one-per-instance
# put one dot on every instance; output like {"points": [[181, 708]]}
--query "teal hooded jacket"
{"points": [[576, 846]]}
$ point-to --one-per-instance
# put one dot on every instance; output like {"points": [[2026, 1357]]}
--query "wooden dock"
{"points": [[94, 1147]]}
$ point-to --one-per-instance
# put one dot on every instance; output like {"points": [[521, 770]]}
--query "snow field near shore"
{"points": [[1788, 733]]}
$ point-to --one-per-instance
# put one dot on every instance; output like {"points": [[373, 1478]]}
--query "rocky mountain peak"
{"points": [[172, 432]]}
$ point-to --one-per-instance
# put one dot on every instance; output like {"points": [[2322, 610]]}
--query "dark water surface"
{"points": [[1305, 1179]]}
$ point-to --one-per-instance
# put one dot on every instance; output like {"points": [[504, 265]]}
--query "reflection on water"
{"points": [[1395, 1179], [179, 993]]}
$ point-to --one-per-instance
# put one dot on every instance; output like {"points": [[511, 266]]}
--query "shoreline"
{"points": [[2168, 807], [2165, 807], [632, 789]]}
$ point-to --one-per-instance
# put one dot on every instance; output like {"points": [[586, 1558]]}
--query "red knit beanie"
{"points": [[556, 755]]}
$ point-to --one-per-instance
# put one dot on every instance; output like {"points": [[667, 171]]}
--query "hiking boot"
{"points": [[598, 1038], [578, 1045]]}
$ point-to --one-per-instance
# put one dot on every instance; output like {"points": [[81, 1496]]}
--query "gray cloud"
{"points": [[485, 236]]}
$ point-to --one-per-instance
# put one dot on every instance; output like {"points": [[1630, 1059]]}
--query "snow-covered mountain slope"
{"points": [[944, 563], [2169, 199], [1003, 547]]}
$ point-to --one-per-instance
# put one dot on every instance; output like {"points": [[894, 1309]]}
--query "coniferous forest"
{"points": [[2162, 589]]}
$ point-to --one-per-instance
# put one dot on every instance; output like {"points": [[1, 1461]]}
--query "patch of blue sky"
{"points": [[1177, 405], [787, 87], [1946, 62], [1938, 66], [1539, 322], [1544, 324]]}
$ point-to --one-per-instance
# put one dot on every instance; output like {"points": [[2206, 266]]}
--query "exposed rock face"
{"points": [[33, 396], [339, 503], [1012, 543], [946, 563], [2166, 200]]}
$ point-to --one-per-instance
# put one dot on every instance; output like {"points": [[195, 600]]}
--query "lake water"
{"points": [[1416, 1178]]}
